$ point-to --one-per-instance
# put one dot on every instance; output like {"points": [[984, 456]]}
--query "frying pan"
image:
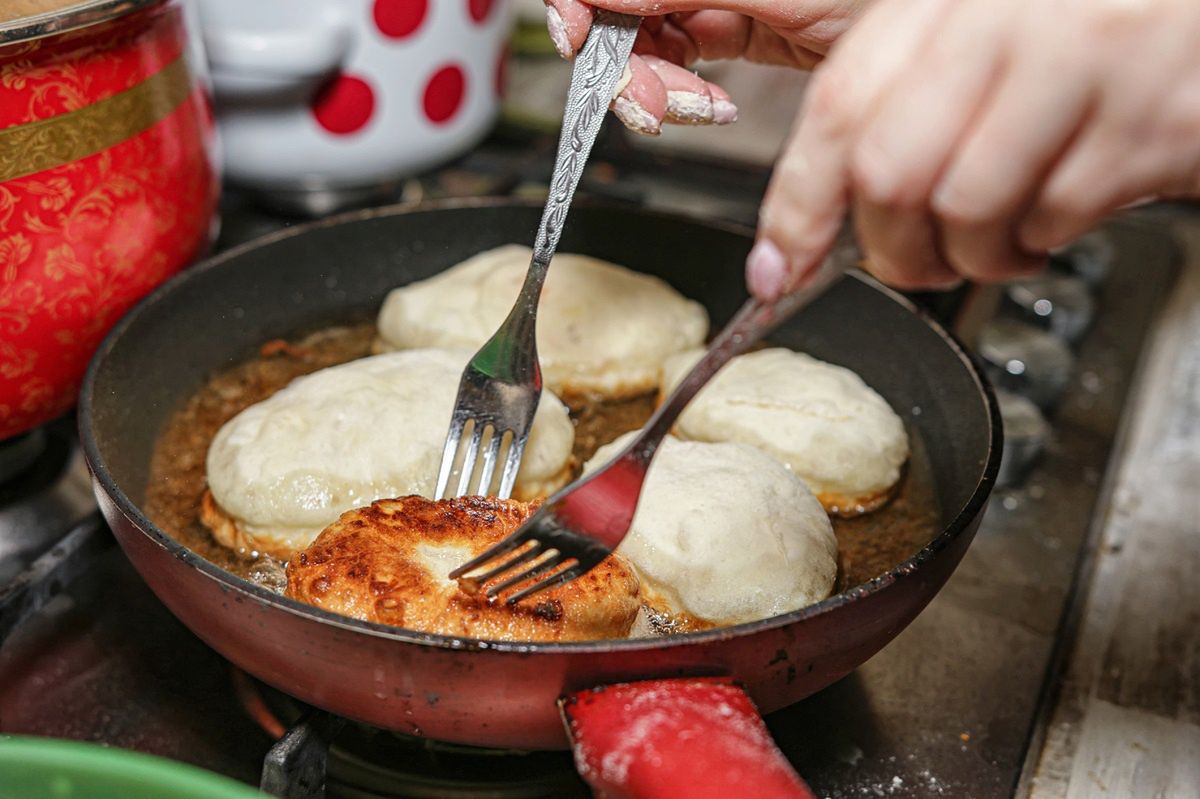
{"points": [[502, 694]]}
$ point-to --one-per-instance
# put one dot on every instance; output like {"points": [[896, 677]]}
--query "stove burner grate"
{"points": [[321, 756]]}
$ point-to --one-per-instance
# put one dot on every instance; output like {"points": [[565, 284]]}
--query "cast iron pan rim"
{"points": [[230, 582]]}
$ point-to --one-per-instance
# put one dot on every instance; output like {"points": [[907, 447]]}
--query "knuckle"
{"points": [[1039, 232], [827, 101], [884, 183], [793, 227], [905, 274], [965, 209], [1064, 206], [790, 174]]}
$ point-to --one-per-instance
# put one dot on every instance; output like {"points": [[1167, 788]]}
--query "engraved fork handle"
{"points": [[594, 78]]}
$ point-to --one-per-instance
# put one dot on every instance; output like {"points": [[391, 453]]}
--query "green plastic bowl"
{"points": [[47, 768]]}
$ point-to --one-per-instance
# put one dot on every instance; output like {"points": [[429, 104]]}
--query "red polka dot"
{"points": [[444, 93], [502, 72], [480, 9], [397, 19], [344, 104]]}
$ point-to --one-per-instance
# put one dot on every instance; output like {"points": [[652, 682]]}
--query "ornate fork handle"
{"points": [[598, 70], [511, 353]]}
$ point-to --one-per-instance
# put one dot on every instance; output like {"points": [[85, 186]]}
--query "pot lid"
{"points": [[23, 20]]}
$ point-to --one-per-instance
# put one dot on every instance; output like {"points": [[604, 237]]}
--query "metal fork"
{"points": [[500, 388], [583, 523]]}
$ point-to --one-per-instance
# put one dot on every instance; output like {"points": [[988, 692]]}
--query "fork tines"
{"points": [[545, 547], [543, 560], [488, 436]]}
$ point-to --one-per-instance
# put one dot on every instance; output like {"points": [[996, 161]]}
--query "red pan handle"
{"points": [[697, 737]]}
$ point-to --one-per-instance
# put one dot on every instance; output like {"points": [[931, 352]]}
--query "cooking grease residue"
{"points": [[867, 545]]}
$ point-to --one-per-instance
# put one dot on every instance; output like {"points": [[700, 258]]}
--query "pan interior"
{"points": [[219, 313]]}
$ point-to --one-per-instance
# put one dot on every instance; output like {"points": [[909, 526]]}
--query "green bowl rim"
{"points": [[148, 772]]}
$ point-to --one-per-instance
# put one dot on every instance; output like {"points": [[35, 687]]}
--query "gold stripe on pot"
{"points": [[54, 141]]}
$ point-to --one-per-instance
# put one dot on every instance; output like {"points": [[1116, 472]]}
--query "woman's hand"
{"points": [[677, 32], [971, 136]]}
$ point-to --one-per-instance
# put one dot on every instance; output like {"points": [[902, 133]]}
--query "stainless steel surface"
{"points": [[1091, 257], [500, 388], [72, 17], [582, 524], [1026, 360], [1060, 304], [1025, 434]]}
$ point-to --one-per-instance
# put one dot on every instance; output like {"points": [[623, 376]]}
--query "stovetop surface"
{"points": [[949, 708]]}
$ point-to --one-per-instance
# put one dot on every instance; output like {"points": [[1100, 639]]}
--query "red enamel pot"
{"points": [[108, 183]]}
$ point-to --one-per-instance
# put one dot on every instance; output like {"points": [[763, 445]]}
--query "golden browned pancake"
{"points": [[388, 563]]}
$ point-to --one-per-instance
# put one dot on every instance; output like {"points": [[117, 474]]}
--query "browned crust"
{"points": [[364, 565], [847, 507], [664, 618], [229, 533]]}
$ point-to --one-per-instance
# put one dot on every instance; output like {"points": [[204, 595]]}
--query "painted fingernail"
{"points": [[558, 33], [724, 112], [690, 108], [626, 77], [635, 117], [766, 271]]}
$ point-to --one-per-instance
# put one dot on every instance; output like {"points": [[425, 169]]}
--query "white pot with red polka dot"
{"points": [[321, 102]]}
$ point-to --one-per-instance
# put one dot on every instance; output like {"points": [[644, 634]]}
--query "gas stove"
{"points": [[952, 707]]}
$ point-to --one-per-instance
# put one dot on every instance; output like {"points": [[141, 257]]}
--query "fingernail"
{"points": [[635, 117], [691, 108], [626, 78], [766, 271], [724, 112], [558, 33]]}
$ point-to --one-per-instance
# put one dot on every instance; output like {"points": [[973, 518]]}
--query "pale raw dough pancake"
{"points": [[603, 330], [724, 534], [282, 470], [821, 421]]}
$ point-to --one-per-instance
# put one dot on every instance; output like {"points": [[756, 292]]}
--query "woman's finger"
{"points": [[642, 104], [1002, 160], [675, 45], [902, 247], [724, 110], [644, 44], [568, 22], [1139, 138], [714, 35], [1099, 174], [908, 138], [807, 196], [811, 15], [689, 97]]}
